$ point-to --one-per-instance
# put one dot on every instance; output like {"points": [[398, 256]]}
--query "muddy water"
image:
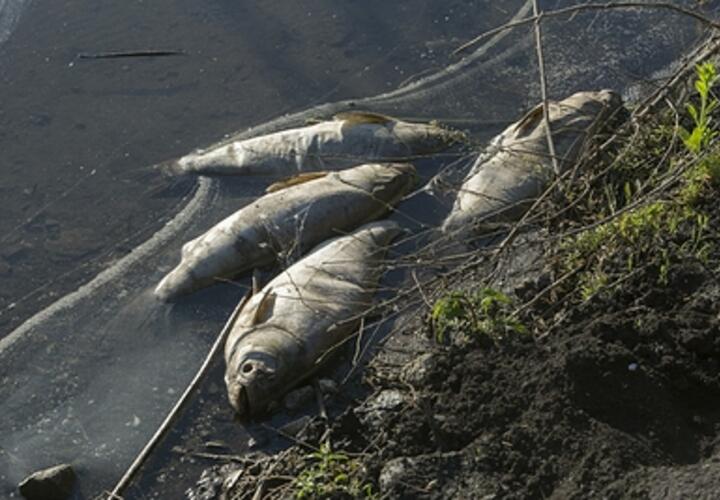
{"points": [[88, 377]]}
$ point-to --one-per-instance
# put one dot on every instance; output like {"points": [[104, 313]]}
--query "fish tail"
{"points": [[171, 168]]}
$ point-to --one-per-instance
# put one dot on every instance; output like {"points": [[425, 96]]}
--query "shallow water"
{"points": [[88, 379]]}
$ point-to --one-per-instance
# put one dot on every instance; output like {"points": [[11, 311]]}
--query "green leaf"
{"points": [[683, 133], [628, 192], [712, 105]]}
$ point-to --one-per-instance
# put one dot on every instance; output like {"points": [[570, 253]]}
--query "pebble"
{"points": [[418, 372], [377, 409], [257, 441], [54, 483], [393, 473]]}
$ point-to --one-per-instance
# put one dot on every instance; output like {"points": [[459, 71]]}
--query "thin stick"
{"points": [[543, 88], [184, 399], [420, 289], [589, 6], [134, 53], [358, 342]]}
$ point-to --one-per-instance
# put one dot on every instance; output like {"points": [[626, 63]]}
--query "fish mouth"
{"points": [[242, 402]]}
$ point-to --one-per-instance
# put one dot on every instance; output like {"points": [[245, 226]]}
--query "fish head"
{"points": [[257, 372], [598, 105], [578, 118], [573, 121]]}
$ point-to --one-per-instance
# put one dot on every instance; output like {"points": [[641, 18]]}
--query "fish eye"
{"points": [[247, 368]]}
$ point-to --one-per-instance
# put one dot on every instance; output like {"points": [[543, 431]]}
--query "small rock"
{"points": [[377, 409], [299, 397], [55, 483], [419, 371], [257, 441], [393, 473]]}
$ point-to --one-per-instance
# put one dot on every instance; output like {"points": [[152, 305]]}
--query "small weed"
{"points": [[701, 135], [644, 233], [486, 312], [332, 474]]}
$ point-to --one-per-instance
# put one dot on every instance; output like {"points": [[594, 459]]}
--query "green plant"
{"points": [[331, 474], [702, 134], [485, 312]]}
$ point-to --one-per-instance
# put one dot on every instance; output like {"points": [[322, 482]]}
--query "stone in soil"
{"points": [[54, 483]]}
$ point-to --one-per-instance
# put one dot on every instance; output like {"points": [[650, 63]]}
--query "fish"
{"points": [[297, 214], [284, 332], [517, 166], [348, 139]]}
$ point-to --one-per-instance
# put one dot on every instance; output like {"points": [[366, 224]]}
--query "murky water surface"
{"points": [[89, 362]]}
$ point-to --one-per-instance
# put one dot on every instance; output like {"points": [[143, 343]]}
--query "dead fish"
{"points": [[349, 139], [284, 330], [518, 167], [300, 213]]}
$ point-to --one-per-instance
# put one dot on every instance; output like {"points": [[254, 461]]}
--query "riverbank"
{"points": [[591, 370]]}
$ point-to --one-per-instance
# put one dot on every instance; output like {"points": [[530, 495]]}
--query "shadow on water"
{"points": [[88, 379]]}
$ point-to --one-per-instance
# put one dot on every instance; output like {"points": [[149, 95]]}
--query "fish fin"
{"points": [[295, 180], [264, 309], [363, 117], [530, 120], [313, 121]]}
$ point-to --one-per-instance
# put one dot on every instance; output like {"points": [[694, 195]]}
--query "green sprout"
{"points": [[486, 312], [702, 134], [332, 474]]}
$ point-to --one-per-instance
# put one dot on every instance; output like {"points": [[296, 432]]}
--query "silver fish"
{"points": [[312, 208], [285, 329], [518, 167], [347, 140]]}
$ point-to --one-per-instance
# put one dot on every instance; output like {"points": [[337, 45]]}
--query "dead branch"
{"points": [[543, 87]]}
